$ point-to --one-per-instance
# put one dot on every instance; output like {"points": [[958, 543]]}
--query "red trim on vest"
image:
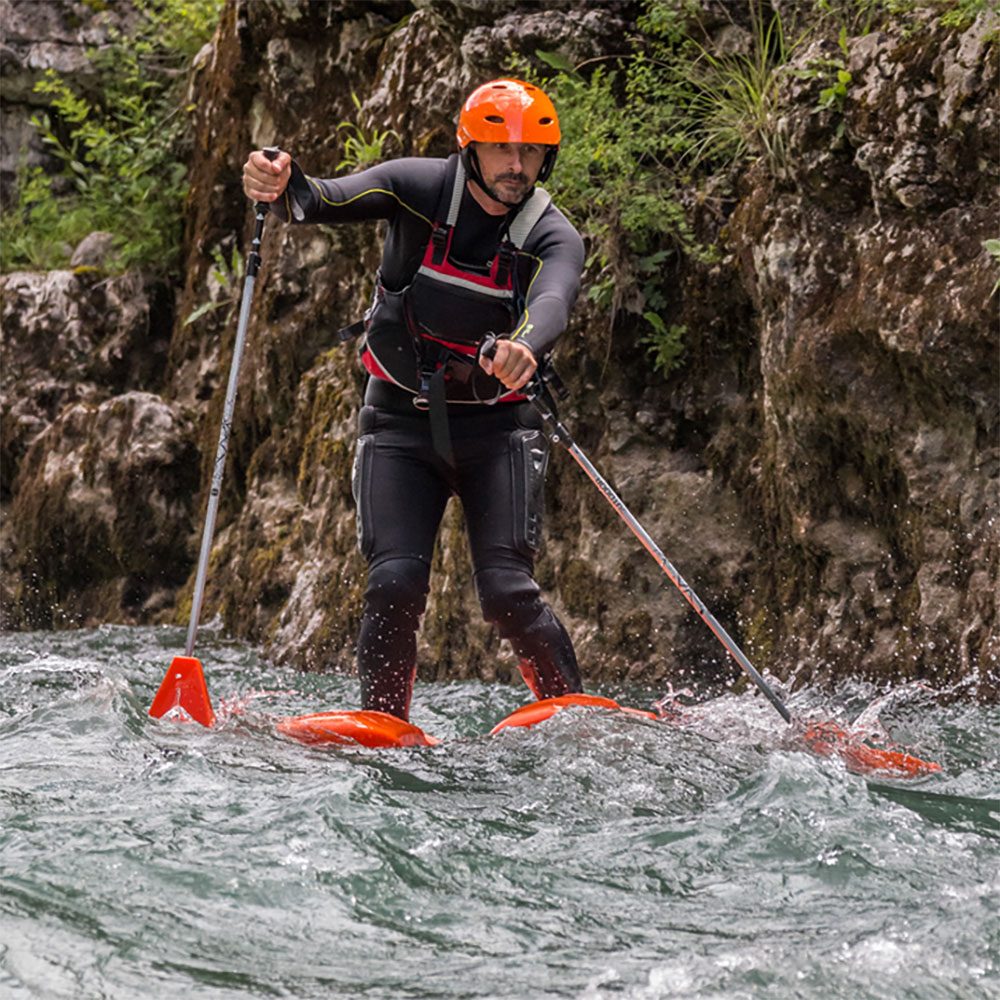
{"points": [[373, 367], [467, 349], [446, 267], [449, 269]]}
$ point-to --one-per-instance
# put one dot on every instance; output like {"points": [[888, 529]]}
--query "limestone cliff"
{"points": [[822, 468]]}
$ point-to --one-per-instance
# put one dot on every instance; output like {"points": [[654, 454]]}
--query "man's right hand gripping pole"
{"points": [[264, 179]]}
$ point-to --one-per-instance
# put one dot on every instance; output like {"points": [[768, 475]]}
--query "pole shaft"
{"points": [[253, 261], [538, 396], [676, 579]]}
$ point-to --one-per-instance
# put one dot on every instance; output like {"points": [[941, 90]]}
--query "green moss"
{"points": [[759, 635], [580, 589]]}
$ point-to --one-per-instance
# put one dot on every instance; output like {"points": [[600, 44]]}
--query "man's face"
{"points": [[510, 169]]}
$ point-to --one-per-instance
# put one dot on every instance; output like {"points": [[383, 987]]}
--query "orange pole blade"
{"points": [[827, 739], [183, 695]]}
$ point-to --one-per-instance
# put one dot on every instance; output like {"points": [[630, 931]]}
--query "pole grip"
{"points": [[260, 214], [488, 347]]}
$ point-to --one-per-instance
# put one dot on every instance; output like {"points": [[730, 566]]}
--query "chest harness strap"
{"points": [[439, 362]]}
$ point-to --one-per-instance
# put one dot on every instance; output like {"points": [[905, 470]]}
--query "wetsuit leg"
{"points": [[400, 493], [499, 482], [387, 644], [511, 600]]}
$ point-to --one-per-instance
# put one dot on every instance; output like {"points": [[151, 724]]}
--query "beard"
{"points": [[510, 188]]}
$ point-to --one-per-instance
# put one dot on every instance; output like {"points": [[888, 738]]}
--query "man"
{"points": [[472, 248]]}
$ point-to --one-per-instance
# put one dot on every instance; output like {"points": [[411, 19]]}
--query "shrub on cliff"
{"points": [[121, 146], [656, 136]]}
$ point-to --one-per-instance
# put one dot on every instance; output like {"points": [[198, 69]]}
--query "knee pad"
{"points": [[509, 598], [397, 588]]}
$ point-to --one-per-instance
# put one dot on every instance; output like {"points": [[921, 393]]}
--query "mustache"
{"points": [[510, 176]]}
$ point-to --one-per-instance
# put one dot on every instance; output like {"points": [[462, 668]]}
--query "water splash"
{"points": [[600, 855]]}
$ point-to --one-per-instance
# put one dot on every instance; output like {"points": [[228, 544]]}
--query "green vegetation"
{"points": [[673, 120], [964, 12], [121, 151], [731, 108], [227, 277], [362, 150], [863, 16], [640, 131]]}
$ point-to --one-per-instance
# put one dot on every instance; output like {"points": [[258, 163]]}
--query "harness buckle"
{"points": [[439, 238], [505, 262], [422, 400]]}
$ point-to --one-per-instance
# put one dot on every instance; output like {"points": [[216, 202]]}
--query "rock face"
{"points": [[878, 459], [98, 479], [823, 469], [102, 516], [71, 338]]}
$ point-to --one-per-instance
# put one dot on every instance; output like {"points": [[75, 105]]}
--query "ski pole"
{"points": [[184, 685], [538, 395]]}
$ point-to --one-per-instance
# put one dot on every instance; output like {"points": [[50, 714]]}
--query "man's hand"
{"points": [[513, 364], [264, 179]]}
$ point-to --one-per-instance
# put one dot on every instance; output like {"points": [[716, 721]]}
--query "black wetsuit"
{"points": [[401, 480]]}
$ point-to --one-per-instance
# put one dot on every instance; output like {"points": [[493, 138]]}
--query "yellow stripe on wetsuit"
{"points": [[525, 326], [391, 194]]}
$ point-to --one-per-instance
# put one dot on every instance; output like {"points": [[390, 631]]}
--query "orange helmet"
{"points": [[508, 111]]}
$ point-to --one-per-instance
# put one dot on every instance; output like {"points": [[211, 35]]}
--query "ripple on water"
{"points": [[597, 856]]}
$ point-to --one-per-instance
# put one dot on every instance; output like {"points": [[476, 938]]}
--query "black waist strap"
{"points": [[387, 396], [437, 399]]}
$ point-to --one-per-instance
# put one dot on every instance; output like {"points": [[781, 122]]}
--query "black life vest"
{"points": [[424, 338]]}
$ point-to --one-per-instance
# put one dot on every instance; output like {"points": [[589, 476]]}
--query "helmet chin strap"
{"points": [[472, 168]]}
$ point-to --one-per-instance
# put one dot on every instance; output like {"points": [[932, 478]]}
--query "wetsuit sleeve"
{"points": [[554, 285], [379, 192]]}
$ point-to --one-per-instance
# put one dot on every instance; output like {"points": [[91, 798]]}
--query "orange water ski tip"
{"points": [[183, 695], [538, 711], [370, 729]]}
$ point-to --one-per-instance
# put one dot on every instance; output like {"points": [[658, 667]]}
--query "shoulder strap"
{"points": [[457, 187], [531, 211], [447, 207], [518, 230]]}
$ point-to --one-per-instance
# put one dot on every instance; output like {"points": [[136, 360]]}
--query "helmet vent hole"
{"points": [[544, 121], [496, 119]]}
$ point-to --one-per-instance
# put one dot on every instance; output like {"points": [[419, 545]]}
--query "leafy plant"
{"points": [[614, 180], [39, 233], [834, 74], [224, 280], [121, 152], [361, 150], [835, 94], [665, 344], [732, 111]]}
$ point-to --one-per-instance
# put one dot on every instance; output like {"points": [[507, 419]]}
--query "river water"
{"points": [[597, 856]]}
